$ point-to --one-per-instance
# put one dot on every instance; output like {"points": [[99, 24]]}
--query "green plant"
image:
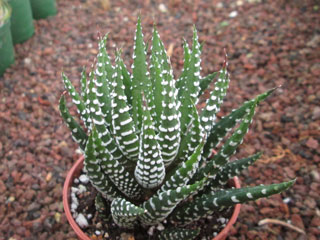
{"points": [[148, 149], [5, 12]]}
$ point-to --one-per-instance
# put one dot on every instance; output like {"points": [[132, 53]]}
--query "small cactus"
{"points": [[148, 149]]}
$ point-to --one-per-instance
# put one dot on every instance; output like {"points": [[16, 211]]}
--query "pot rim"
{"points": [[76, 168]]}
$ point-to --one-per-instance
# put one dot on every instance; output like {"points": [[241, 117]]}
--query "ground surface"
{"points": [[270, 43]]}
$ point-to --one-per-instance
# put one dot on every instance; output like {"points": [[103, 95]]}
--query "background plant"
{"points": [[148, 148], [5, 12]]}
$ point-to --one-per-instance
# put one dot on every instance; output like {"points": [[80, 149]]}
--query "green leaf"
{"points": [[78, 134], [182, 79], [104, 71], [120, 177], [158, 88], [214, 201], [192, 75], [191, 139], [183, 174], [205, 82], [140, 77], [122, 123], [77, 101], [189, 82], [215, 164], [161, 76], [169, 127], [178, 234], [232, 169], [226, 124], [149, 171], [83, 83], [125, 213], [161, 205], [99, 121], [98, 179], [208, 114], [127, 81]]}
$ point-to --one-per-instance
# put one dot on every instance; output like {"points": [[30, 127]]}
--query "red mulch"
{"points": [[269, 43]]}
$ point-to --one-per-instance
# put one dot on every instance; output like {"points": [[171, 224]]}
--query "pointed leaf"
{"points": [[219, 131], [169, 128], [78, 134], [181, 82], [205, 82], [140, 77], [104, 71], [191, 139], [178, 234], [125, 213], [160, 206], [189, 82], [183, 174], [98, 179], [99, 121], [214, 201], [83, 83], [215, 165], [192, 76], [208, 114], [149, 170], [120, 177], [77, 101], [122, 123], [232, 169], [126, 82]]}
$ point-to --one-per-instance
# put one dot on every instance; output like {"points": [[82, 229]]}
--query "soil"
{"points": [[269, 43]]}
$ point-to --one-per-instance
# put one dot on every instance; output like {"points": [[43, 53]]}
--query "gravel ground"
{"points": [[270, 43]]}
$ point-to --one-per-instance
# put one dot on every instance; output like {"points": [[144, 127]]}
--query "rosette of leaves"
{"points": [[5, 12], [148, 149]]}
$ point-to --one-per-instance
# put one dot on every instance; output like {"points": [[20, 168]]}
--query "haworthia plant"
{"points": [[148, 149]]}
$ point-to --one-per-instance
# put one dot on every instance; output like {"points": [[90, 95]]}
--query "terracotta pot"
{"points": [[75, 172]]}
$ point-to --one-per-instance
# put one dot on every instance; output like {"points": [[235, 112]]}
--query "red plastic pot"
{"points": [[75, 172]]}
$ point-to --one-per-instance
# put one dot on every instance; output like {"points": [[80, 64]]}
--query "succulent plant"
{"points": [[147, 147], [5, 12]]}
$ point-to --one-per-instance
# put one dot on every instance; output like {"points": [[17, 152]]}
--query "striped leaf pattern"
{"points": [[147, 147], [178, 234], [122, 122], [214, 201], [149, 170], [125, 213]]}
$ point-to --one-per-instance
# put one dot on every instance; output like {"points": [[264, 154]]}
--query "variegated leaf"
{"points": [[122, 123], [121, 178], [96, 175], [149, 170], [77, 132], [205, 82], [99, 121], [161, 205], [226, 124], [185, 172], [103, 73], [76, 99], [140, 77], [178, 234], [232, 169], [208, 114], [214, 201], [125, 213], [214, 165]]}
